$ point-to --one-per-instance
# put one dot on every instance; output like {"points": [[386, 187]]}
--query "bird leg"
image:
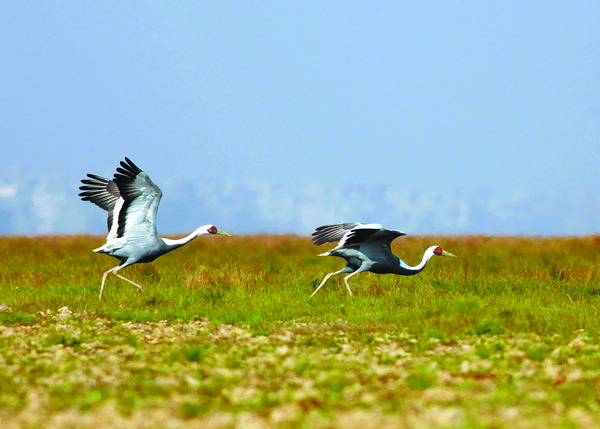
{"points": [[104, 279], [114, 271], [327, 277], [346, 281], [346, 269], [130, 281]]}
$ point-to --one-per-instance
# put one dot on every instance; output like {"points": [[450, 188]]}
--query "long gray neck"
{"points": [[174, 244], [406, 270]]}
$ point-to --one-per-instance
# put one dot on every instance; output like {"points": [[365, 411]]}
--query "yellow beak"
{"points": [[444, 253]]}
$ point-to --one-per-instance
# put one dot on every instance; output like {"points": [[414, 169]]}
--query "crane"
{"points": [[131, 200], [367, 247]]}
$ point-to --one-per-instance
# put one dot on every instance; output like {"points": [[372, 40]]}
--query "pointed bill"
{"points": [[444, 253]]}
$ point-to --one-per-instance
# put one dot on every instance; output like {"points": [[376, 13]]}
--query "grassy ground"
{"points": [[225, 336]]}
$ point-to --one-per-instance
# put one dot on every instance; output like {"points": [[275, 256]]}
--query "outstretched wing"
{"points": [[370, 232], [353, 234], [102, 192], [141, 197], [381, 235], [331, 233]]}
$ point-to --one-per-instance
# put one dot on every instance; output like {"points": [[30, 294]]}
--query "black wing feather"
{"points": [[125, 180], [352, 235], [102, 192], [331, 233], [358, 236], [133, 183], [382, 235]]}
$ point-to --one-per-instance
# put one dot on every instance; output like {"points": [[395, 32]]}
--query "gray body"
{"points": [[372, 257], [367, 247], [132, 200]]}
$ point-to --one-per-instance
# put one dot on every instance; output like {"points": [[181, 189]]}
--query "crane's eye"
{"points": [[438, 251], [212, 230]]}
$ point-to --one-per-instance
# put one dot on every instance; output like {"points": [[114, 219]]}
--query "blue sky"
{"points": [[433, 117]]}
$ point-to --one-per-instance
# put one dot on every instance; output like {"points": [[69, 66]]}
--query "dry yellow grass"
{"points": [[225, 336]]}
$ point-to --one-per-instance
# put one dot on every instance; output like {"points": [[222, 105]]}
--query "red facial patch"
{"points": [[212, 230], [438, 250]]}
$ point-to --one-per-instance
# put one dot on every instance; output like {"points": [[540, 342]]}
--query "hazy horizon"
{"points": [[449, 118]]}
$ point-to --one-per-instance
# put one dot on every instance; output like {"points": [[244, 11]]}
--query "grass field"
{"points": [[507, 335]]}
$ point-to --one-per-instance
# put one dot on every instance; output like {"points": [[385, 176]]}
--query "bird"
{"points": [[131, 199], [367, 247]]}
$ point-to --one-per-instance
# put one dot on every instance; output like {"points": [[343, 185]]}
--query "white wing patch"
{"points": [[363, 226], [112, 241]]}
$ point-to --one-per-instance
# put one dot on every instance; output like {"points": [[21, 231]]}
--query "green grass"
{"points": [[225, 335]]}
